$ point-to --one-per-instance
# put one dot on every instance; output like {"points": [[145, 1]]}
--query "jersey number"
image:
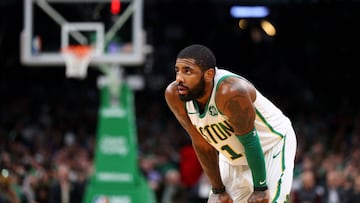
{"points": [[233, 154]]}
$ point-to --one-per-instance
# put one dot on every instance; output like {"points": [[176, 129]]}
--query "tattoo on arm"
{"points": [[241, 110]]}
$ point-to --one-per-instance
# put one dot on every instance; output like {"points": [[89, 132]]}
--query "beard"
{"points": [[196, 92]]}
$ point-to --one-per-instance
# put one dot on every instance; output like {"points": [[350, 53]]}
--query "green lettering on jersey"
{"points": [[219, 132], [203, 134], [227, 127], [209, 133], [216, 131]]}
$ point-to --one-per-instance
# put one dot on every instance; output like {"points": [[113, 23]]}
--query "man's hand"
{"points": [[220, 198], [259, 197]]}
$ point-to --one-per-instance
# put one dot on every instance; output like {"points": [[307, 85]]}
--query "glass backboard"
{"points": [[50, 25]]}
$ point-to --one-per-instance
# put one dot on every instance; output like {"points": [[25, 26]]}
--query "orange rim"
{"points": [[79, 50]]}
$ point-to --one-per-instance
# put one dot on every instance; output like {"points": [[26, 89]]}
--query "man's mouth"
{"points": [[182, 89]]}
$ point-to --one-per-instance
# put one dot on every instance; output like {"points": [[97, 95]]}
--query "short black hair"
{"points": [[203, 56]]}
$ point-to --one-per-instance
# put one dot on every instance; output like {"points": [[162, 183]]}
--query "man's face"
{"points": [[190, 79]]}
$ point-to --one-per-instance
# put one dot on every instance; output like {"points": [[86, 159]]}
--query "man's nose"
{"points": [[179, 78]]}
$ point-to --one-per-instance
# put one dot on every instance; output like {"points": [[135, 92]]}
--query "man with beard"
{"points": [[245, 144]]}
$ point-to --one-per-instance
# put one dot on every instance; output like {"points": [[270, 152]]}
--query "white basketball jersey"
{"points": [[270, 123]]}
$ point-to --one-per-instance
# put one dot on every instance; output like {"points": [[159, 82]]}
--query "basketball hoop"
{"points": [[77, 59]]}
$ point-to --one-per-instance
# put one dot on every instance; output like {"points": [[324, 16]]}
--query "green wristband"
{"points": [[255, 157]]}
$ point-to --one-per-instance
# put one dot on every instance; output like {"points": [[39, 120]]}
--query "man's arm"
{"points": [[206, 154], [235, 99]]}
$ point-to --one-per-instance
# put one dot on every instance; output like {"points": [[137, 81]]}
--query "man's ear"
{"points": [[209, 74]]}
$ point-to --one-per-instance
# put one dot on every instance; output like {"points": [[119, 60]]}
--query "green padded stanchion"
{"points": [[117, 178]]}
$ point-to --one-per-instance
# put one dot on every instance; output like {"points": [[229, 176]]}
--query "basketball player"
{"points": [[245, 144]]}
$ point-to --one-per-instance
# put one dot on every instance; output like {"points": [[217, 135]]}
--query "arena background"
{"points": [[309, 69]]}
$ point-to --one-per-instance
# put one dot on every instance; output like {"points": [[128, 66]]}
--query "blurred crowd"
{"points": [[48, 138], [48, 123]]}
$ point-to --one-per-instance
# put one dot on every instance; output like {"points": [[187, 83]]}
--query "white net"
{"points": [[77, 59]]}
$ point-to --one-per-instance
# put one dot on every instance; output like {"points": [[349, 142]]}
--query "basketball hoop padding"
{"points": [[77, 59]]}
